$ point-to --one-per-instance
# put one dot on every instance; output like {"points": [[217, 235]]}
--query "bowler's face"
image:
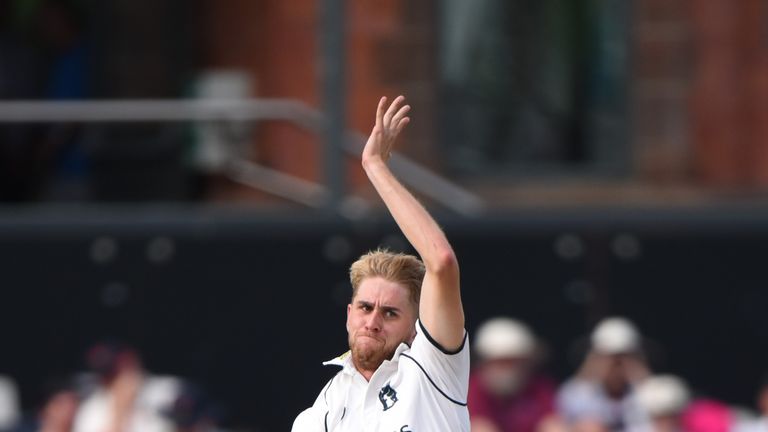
{"points": [[379, 318]]}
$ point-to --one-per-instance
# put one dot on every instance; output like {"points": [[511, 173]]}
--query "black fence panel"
{"points": [[249, 305]]}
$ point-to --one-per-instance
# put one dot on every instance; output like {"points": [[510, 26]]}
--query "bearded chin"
{"points": [[367, 357]]}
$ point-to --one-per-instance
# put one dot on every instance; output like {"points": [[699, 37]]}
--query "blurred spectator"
{"points": [[506, 391], [9, 403], [667, 406], [663, 400], [601, 396], [707, 415], [57, 414], [760, 422], [125, 398]]}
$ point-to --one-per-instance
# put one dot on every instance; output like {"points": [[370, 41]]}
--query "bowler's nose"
{"points": [[373, 322]]}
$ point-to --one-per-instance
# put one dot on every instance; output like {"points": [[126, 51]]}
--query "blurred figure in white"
{"points": [[663, 400], [9, 403], [601, 397], [126, 398], [507, 393]]}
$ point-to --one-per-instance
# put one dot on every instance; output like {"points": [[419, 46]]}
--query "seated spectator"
{"points": [[125, 397], [506, 391], [662, 400], [600, 397], [668, 406]]}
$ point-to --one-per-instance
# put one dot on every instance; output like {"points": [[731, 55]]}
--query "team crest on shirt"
{"points": [[387, 397]]}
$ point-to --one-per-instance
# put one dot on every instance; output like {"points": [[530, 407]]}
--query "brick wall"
{"points": [[729, 105], [277, 43], [699, 81], [661, 64]]}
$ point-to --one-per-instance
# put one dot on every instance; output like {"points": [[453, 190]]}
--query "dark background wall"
{"points": [[249, 305]]}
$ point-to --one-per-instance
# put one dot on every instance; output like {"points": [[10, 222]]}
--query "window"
{"points": [[535, 87]]}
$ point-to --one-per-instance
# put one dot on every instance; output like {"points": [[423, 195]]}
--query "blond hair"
{"points": [[407, 270]]}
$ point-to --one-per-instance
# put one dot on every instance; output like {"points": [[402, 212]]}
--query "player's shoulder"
{"points": [[425, 339]]}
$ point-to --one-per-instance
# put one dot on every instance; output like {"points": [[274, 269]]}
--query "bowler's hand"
{"points": [[388, 126]]}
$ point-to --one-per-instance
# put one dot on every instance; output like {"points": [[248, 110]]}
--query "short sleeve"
{"points": [[448, 371]]}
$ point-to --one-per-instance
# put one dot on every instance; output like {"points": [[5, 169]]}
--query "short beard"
{"points": [[369, 360]]}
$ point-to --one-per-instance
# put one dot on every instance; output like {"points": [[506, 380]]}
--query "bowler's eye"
{"points": [[391, 314], [366, 307]]}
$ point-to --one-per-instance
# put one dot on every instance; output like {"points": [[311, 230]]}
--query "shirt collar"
{"points": [[341, 360], [345, 361]]}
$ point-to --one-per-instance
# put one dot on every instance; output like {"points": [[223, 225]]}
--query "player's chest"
{"points": [[388, 404]]}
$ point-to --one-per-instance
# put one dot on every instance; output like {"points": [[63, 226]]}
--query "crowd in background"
{"points": [[115, 394], [614, 389]]}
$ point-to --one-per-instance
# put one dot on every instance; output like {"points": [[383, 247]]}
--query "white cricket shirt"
{"points": [[423, 388]]}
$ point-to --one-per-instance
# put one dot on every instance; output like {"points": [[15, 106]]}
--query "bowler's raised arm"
{"points": [[440, 309]]}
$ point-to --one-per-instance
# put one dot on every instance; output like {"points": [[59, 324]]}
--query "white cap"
{"points": [[504, 338], [662, 395], [615, 336]]}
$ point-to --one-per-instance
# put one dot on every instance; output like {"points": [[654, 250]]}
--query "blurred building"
{"points": [[530, 102], [522, 102]]}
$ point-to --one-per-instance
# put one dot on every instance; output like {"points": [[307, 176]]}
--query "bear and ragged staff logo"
{"points": [[387, 397]]}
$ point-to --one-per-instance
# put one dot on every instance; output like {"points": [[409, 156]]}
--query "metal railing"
{"points": [[226, 111]]}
